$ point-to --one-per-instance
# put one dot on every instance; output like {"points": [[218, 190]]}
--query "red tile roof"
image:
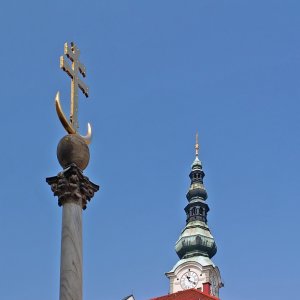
{"points": [[191, 294]]}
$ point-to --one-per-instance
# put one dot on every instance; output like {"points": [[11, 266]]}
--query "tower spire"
{"points": [[196, 245]]}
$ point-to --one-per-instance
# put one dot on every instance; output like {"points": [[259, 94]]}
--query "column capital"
{"points": [[71, 186]]}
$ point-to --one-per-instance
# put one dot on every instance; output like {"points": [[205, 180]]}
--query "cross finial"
{"points": [[197, 145], [72, 53], [74, 71]]}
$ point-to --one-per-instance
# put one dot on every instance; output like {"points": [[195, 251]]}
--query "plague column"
{"points": [[72, 188]]}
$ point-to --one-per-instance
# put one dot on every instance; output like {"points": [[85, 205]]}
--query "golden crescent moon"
{"points": [[88, 136], [66, 124]]}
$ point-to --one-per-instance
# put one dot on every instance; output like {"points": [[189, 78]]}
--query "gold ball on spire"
{"points": [[197, 145]]}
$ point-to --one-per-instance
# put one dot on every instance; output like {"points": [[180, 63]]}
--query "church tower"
{"points": [[196, 245]]}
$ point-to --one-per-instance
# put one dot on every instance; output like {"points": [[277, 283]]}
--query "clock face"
{"points": [[189, 280]]}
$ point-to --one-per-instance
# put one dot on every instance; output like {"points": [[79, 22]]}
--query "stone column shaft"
{"points": [[71, 253], [74, 190]]}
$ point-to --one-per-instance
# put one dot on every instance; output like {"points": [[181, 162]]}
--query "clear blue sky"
{"points": [[157, 71]]}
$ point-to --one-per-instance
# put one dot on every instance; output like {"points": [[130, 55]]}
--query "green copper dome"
{"points": [[197, 163], [196, 239]]}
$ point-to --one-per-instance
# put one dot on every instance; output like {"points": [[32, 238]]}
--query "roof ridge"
{"points": [[191, 294]]}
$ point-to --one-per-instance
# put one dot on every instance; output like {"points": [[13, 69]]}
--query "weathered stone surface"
{"points": [[72, 149], [71, 253], [71, 186]]}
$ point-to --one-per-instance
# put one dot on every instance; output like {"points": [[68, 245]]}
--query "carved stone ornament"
{"points": [[71, 186]]}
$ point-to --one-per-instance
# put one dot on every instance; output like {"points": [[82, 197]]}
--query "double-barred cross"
{"points": [[72, 53]]}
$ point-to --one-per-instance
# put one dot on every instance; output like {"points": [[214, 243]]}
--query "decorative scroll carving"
{"points": [[71, 186]]}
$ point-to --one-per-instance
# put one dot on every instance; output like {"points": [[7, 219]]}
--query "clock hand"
{"points": [[191, 281]]}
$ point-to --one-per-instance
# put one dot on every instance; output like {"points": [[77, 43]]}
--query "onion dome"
{"points": [[196, 239], [197, 189]]}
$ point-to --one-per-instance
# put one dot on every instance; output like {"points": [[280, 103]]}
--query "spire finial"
{"points": [[197, 145]]}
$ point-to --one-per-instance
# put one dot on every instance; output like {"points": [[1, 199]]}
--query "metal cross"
{"points": [[72, 53]]}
